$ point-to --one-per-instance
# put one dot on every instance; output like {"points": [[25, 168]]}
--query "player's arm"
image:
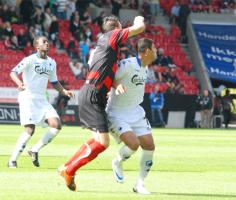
{"points": [[138, 26], [18, 69], [17, 80], [119, 88], [120, 36], [62, 90], [57, 85]]}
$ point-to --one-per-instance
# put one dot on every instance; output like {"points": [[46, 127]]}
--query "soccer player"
{"points": [[93, 94], [36, 70], [127, 121]]}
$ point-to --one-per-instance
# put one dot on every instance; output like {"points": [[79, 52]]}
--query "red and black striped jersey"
{"points": [[103, 65]]}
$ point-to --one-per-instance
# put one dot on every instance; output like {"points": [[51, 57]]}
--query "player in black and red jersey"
{"points": [[93, 95]]}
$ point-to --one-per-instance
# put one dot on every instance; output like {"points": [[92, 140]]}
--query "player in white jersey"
{"points": [[36, 70], [127, 121]]}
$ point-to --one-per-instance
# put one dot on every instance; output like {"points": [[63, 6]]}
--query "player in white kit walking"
{"points": [[127, 121], [36, 70]]}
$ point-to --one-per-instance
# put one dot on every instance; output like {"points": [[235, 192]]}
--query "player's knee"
{"points": [[30, 129], [105, 143], [150, 147], [134, 146], [103, 139], [56, 125]]}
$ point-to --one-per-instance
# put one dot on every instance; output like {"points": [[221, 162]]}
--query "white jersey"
{"points": [[35, 73], [124, 112], [133, 76]]}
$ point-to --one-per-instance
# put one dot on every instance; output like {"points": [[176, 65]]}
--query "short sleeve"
{"points": [[118, 37], [53, 75], [21, 66]]}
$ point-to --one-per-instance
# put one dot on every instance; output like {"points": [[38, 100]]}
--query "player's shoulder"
{"points": [[127, 61], [112, 33], [30, 57]]}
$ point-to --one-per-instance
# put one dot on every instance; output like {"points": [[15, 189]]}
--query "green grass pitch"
{"points": [[188, 164]]}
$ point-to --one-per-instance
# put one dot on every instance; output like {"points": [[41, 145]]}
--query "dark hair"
{"points": [[110, 23], [36, 40], [143, 44]]}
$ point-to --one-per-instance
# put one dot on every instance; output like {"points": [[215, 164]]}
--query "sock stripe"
{"points": [[84, 155], [88, 151]]}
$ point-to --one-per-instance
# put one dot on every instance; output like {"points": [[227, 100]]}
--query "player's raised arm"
{"points": [[138, 26]]}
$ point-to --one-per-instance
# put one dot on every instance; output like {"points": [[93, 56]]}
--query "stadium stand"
{"points": [[168, 41], [67, 36]]}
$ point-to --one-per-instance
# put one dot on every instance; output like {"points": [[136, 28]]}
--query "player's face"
{"points": [[43, 44], [152, 54]]}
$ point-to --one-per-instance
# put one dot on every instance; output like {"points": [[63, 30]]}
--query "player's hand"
{"points": [[120, 89], [68, 93], [21, 87], [138, 19]]}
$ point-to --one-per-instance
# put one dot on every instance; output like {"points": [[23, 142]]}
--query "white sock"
{"points": [[20, 145], [145, 164], [47, 137], [124, 153]]}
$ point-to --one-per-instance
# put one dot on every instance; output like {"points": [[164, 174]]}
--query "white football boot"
{"points": [[12, 164], [140, 188], [117, 170]]}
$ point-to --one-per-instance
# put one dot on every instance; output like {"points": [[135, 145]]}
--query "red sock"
{"points": [[89, 152], [79, 152]]}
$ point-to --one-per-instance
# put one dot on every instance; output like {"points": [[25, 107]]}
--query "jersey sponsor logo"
{"points": [[138, 80], [42, 70]]}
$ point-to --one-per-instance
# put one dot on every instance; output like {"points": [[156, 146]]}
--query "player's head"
{"points": [[146, 50], [110, 23], [41, 43]]}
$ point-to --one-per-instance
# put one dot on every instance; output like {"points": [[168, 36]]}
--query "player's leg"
{"points": [[93, 116], [86, 153], [20, 144], [146, 161], [142, 130], [131, 145], [54, 128]]}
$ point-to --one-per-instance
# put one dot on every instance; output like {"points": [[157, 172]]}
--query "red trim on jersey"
{"points": [[125, 34], [113, 38], [114, 68], [107, 82], [93, 75], [118, 54]]}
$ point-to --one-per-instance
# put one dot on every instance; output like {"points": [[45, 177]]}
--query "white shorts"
{"points": [[119, 124], [36, 111]]}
